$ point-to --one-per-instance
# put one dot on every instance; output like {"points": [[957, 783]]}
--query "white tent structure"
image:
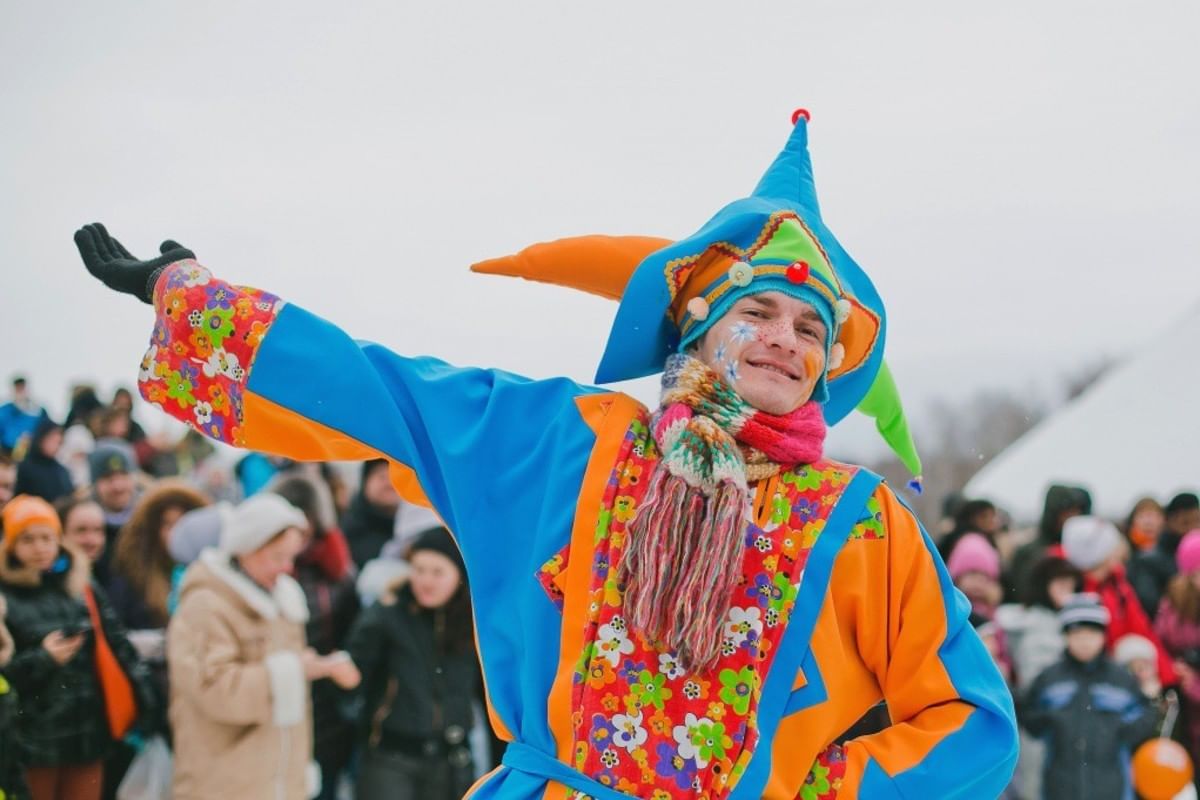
{"points": [[1135, 432]]}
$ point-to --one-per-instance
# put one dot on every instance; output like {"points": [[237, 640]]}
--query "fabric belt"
{"points": [[523, 758]]}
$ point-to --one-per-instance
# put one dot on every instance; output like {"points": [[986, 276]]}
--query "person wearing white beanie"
{"points": [[1090, 542], [239, 665], [1137, 654]]}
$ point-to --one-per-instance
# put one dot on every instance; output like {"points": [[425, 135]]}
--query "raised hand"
{"points": [[108, 260]]}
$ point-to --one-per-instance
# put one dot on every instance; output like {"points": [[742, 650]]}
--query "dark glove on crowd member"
{"points": [[108, 260]]}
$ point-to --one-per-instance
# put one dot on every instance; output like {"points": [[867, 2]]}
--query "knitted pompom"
{"points": [[698, 308], [741, 273], [836, 354], [841, 310]]}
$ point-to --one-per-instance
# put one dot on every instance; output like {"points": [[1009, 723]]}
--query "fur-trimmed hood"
{"points": [[79, 574], [214, 570]]}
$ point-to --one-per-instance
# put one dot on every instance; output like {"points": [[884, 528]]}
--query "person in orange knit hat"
{"points": [[690, 601], [63, 721]]}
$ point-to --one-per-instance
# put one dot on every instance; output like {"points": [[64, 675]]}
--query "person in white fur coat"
{"points": [[239, 668]]}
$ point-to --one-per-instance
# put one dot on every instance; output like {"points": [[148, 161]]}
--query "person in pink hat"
{"points": [[975, 569], [1178, 626]]}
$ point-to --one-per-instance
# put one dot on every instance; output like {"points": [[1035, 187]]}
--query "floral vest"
{"points": [[644, 726]]}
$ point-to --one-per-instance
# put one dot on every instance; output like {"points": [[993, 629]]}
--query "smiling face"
{"points": [[771, 348]]}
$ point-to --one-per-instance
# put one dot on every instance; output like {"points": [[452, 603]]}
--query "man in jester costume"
{"points": [[683, 602]]}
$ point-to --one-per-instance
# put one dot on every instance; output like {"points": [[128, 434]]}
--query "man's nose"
{"points": [[781, 335]]}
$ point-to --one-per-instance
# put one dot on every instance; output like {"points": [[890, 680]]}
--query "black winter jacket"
{"points": [[411, 690], [60, 716], [367, 529], [1092, 717]]}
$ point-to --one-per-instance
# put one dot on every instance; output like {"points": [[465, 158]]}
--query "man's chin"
{"points": [[771, 401]]}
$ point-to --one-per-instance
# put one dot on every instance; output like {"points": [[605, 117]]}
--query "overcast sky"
{"points": [[1020, 179]]}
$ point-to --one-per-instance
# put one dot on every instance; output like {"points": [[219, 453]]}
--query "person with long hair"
{"points": [[1144, 524], [325, 572], [142, 571], [141, 565], [1178, 627], [415, 649]]}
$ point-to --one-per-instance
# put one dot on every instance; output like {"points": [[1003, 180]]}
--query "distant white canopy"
{"points": [[1135, 432]]}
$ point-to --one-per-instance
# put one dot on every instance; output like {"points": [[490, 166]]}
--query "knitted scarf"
{"points": [[685, 550]]}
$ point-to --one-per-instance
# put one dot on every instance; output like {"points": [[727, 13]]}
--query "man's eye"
{"points": [[753, 312]]}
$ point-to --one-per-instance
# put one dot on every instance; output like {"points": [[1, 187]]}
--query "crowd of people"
{"points": [[291, 630], [266, 630], [1096, 626]]}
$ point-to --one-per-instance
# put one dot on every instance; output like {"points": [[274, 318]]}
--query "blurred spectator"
{"points": [[993, 639], [1138, 656], [339, 488], [1035, 641], [195, 532], [18, 417], [8, 479], [1062, 503], [1178, 625], [973, 516], [39, 473], [255, 470], [1144, 524], [239, 669], [326, 574], [63, 724], [142, 566], [370, 520], [1152, 571], [122, 403], [392, 564], [112, 467], [83, 530], [78, 443], [974, 566], [415, 649], [1096, 547], [1091, 712], [12, 783], [84, 404]]}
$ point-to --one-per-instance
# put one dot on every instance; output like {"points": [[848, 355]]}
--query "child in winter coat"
{"points": [[63, 721], [1178, 624], [1096, 547], [415, 649], [1035, 642], [1090, 711]]}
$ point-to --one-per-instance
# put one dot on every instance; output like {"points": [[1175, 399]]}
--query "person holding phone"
{"points": [[63, 722]]}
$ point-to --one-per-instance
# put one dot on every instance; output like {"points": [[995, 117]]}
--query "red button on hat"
{"points": [[798, 272]]}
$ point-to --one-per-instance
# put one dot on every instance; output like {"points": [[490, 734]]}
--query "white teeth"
{"points": [[774, 369]]}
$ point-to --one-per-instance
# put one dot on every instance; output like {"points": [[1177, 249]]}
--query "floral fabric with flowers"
{"points": [[204, 342], [644, 725]]}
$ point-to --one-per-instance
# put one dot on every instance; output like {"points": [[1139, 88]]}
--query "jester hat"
{"points": [[773, 240]]}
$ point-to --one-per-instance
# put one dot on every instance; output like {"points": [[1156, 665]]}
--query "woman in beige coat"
{"points": [[238, 666]]}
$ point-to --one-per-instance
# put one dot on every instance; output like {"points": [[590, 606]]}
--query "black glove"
{"points": [[108, 260]]}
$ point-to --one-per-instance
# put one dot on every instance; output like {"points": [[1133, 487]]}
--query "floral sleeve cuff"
{"points": [[824, 780], [206, 336]]}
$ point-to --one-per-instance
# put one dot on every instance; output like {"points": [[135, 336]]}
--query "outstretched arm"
{"points": [[242, 366]]}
